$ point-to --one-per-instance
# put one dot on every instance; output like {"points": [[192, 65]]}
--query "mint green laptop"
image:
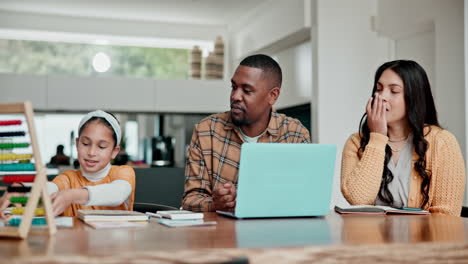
{"points": [[284, 180]]}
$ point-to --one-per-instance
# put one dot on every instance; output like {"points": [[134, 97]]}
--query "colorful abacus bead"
{"points": [[18, 178], [20, 211], [20, 200], [35, 221], [13, 145], [17, 167], [15, 156], [18, 189], [10, 122], [12, 134]]}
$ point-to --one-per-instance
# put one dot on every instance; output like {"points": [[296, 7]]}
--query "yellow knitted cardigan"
{"points": [[361, 176]]}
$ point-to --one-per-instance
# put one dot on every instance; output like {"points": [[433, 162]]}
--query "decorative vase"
{"points": [[195, 71]]}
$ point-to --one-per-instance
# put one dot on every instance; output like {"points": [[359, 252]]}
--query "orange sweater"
{"points": [[73, 179], [361, 177]]}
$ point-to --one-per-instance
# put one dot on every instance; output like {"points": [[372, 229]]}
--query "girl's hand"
{"points": [[5, 201], [61, 200], [376, 115]]}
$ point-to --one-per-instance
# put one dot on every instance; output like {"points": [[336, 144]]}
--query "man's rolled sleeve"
{"points": [[198, 189]]}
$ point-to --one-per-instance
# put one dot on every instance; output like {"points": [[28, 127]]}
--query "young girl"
{"points": [[97, 184], [402, 157]]}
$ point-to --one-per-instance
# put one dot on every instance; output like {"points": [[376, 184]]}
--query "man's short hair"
{"points": [[268, 65], [60, 148]]}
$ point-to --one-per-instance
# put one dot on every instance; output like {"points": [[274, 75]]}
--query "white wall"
{"points": [[269, 28], [466, 83], [47, 23], [345, 55], [416, 19], [268, 25], [419, 47], [449, 76], [17, 88], [296, 64], [192, 96], [85, 93], [53, 93]]}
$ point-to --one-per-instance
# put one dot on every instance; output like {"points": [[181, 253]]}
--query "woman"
{"points": [[401, 157]]}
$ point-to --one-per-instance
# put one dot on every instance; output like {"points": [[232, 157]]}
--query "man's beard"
{"points": [[239, 122]]}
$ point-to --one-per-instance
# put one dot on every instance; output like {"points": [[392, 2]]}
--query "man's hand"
{"points": [[61, 200], [224, 197]]}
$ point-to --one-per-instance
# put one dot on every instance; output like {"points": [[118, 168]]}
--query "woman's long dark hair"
{"points": [[420, 112]]}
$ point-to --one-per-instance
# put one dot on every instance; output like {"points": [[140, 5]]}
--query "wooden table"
{"points": [[334, 235]]}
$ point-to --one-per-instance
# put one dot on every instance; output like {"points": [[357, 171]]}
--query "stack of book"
{"points": [[112, 218]]}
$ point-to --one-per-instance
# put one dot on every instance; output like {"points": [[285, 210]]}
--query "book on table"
{"points": [[185, 222], [116, 224], [180, 215], [378, 210], [111, 215]]}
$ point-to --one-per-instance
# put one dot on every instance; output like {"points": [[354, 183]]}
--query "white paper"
{"points": [[178, 223]]}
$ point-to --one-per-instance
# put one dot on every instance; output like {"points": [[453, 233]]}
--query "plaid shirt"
{"points": [[214, 154]]}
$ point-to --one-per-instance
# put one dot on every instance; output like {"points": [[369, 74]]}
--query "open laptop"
{"points": [[284, 180]]}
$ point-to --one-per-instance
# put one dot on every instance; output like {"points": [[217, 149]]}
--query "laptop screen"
{"points": [[285, 180]]}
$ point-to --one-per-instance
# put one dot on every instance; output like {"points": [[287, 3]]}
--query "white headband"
{"points": [[109, 118]]}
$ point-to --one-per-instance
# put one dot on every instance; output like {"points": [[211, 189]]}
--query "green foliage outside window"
{"points": [[54, 58]]}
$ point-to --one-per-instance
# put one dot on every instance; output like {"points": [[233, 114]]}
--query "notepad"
{"points": [[111, 215], [180, 215], [64, 221], [377, 210], [180, 223]]}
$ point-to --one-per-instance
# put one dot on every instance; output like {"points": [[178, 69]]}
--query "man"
{"points": [[214, 153], [60, 158]]}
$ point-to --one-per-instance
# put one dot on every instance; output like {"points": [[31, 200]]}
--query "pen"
{"points": [[238, 260], [153, 215], [410, 209]]}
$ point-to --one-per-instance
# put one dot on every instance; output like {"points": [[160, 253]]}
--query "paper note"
{"points": [[178, 223], [64, 221]]}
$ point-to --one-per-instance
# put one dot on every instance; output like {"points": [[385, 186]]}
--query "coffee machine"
{"points": [[159, 151]]}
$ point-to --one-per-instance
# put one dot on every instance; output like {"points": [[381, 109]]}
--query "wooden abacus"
{"points": [[39, 187]]}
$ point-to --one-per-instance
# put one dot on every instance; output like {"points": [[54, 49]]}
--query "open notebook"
{"points": [[378, 210]]}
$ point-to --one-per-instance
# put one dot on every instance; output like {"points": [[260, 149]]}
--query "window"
{"points": [[56, 58], [131, 139]]}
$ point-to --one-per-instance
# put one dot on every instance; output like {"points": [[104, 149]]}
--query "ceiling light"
{"points": [[101, 62]]}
